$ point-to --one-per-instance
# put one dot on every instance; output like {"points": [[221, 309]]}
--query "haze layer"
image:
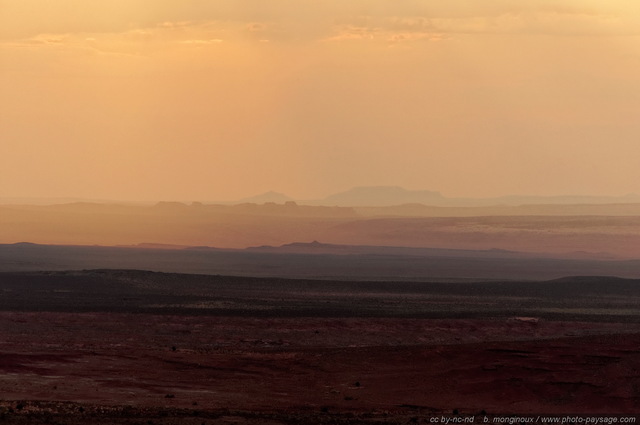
{"points": [[192, 100]]}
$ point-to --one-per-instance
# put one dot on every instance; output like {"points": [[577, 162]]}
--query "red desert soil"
{"points": [[407, 366]]}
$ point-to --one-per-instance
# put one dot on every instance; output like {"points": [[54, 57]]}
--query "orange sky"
{"points": [[220, 99]]}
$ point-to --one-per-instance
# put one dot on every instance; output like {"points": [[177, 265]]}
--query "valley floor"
{"points": [[133, 347], [140, 368]]}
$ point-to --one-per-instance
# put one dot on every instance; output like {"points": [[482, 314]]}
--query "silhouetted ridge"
{"points": [[373, 196], [591, 279], [267, 197]]}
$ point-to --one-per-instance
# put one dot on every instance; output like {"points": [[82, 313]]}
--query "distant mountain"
{"points": [[271, 196], [564, 200], [502, 210], [387, 196], [379, 196], [319, 248], [412, 202], [60, 201]]}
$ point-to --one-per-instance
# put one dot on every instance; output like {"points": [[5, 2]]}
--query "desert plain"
{"points": [[136, 347]]}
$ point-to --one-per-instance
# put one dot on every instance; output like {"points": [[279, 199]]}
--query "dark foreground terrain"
{"points": [[321, 261], [134, 347]]}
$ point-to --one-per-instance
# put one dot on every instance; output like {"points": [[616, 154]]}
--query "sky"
{"points": [[199, 100]]}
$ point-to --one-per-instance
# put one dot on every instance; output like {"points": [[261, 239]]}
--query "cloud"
{"points": [[554, 23], [164, 36], [352, 32], [528, 22], [125, 26], [512, 18], [50, 38], [210, 41]]}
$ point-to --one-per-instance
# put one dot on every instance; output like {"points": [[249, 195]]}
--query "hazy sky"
{"points": [[221, 99]]}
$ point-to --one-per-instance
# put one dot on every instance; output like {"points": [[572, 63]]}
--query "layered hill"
{"points": [[600, 231], [316, 261]]}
